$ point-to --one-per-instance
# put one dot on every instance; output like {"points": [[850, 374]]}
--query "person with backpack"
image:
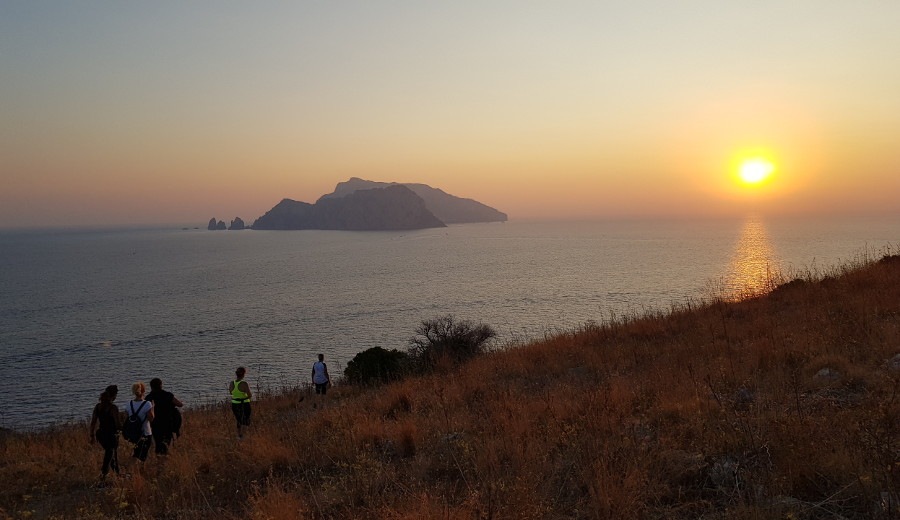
{"points": [[165, 415], [105, 429], [320, 376], [240, 400], [137, 426]]}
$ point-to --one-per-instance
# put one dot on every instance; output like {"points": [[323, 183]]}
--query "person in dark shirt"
{"points": [[165, 421], [105, 429]]}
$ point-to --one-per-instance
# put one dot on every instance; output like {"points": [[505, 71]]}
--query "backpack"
{"points": [[133, 429], [176, 422]]}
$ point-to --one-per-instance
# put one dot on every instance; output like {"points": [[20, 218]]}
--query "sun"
{"points": [[755, 170]]}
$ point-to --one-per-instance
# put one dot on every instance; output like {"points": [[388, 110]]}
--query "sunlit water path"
{"points": [[83, 309]]}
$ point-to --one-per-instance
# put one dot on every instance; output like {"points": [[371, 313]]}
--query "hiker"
{"points": [[105, 429], [165, 412], [142, 411], [320, 376], [240, 400]]}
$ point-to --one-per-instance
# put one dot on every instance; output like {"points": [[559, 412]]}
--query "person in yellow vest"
{"points": [[240, 400]]}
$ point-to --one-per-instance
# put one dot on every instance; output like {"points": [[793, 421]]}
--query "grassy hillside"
{"points": [[780, 406]]}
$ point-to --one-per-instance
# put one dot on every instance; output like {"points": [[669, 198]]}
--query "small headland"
{"points": [[782, 405]]}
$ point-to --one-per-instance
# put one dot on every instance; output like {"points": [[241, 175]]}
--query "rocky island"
{"points": [[216, 225], [362, 205], [394, 207], [449, 208], [236, 225]]}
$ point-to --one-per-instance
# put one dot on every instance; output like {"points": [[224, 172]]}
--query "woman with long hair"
{"points": [[105, 429]]}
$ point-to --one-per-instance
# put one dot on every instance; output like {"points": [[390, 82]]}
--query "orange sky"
{"points": [[178, 113]]}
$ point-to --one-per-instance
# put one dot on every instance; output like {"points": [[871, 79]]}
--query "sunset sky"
{"points": [[175, 112]]}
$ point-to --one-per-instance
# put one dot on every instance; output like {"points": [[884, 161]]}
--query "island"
{"points": [[393, 207], [450, 209]]}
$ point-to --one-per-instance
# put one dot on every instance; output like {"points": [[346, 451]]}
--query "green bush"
{"points": [[375, 365]]}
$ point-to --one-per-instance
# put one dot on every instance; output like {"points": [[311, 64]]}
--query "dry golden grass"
{"points": [[777, 406]]}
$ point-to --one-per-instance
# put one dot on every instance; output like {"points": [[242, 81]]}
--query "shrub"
{"points": [[445, 340], [375, 365]]}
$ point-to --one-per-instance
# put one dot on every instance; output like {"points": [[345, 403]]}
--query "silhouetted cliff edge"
{"points": [[449, 208], [393, 207]]}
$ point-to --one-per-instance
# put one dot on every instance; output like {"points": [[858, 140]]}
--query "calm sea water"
{"points": [[84, 309]]}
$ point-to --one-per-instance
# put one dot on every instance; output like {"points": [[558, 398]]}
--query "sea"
{"points": [[84, 308]]}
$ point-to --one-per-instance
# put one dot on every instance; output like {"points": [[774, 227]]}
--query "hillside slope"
{"points": [[781, 406]]}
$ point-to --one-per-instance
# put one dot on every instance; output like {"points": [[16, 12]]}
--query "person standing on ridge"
{"points": [[105, 429], [320, 376], [142, 410], [165, 411], [240, 400]]}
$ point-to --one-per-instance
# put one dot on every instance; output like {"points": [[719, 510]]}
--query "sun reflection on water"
{"points": [[753, 265]]}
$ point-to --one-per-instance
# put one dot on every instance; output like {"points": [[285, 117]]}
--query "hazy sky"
{"points": [[148, 112]]}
